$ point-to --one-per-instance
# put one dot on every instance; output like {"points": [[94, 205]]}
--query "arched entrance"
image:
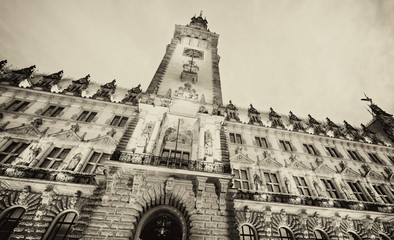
{"points": [[162, 223]]}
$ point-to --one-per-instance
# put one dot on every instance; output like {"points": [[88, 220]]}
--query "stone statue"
{"points": [[142, 142], [74, 162], [202, 109], [110, 85], [2, 64], [169, 185], [318, 189], [293, 119], [136, 89], [275, 118], [287, 184], [36, 122], [75, 127], [257, 182], [169, 93], [208, 143], [33, 153], [26, 71], [202, 99], [313, 123]]}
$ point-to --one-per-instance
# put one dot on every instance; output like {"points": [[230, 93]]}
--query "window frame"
{"points": [[375, 158], [53, 160], [236, 138], [8, 212], [289, 233], [96, 164], [302, 186], [261, 142], [286, 145], [11, 154], [383, 193], [54, 112], [359, 193], [49, 233], [311, 149], [17, 107], [333, 190], [354, 155], [333, 151], [118, 122], [240, 178], [270, 184], [88, 117], [243, 236]]}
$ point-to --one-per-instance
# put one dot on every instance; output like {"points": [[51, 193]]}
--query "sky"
{"points": [[307, 56]]}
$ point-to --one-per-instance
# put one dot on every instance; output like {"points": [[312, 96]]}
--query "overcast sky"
{"points": [[314, 57]]}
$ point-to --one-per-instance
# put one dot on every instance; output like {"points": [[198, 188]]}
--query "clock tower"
{"points": [[189, 71]]}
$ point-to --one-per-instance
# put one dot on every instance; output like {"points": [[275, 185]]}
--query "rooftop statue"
{"points": [[331, 126], [110, 85], [231, 106], [275, 118], [313, 123], [26, 71], [293, 119], [55, 76], [252, 110], [84, 80], [370, 134], [2, 64], [352, 131], [136, 89]]}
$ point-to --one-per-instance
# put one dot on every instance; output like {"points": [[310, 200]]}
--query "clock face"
{"points": [[196, 54]]}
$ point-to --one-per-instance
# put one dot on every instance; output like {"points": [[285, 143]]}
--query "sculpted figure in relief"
{"points": [[74, 162], [34, 151], [208, 143]]}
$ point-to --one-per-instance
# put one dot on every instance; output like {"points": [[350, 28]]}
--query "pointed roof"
{"points": [[199, 22]]}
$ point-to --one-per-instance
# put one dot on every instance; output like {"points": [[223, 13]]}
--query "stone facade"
{"points": [[119, 158]]}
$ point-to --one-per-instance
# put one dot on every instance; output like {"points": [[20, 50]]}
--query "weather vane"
{"points": [[367, 99]]}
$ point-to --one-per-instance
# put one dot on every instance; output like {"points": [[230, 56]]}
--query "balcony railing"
{"points": [[46, 174], [315, 201], [177, 163]]}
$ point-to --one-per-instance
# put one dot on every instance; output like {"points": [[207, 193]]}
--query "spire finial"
{"points": [[200, 13]]}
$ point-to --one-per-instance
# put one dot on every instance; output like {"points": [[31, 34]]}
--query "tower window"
{"points": [[261, 142], [179, 154], [87, 116], [10, 220], [310, 149], [119, 121], [374, 158], [302, 187], [247, 233], [330, 188], [355, 156], [272, 182], [63, 226], [55, 158], [241, 179], [53, 111], [17, 105], [95, 162], [11, 151], [333, 152], [286, 145], [358, 192], [235, 138]]}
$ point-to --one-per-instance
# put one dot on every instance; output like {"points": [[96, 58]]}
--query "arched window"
{"points": [[285, 234], [320, 235], [247, 233], [62, 227], [353, 236], [10, 220]]}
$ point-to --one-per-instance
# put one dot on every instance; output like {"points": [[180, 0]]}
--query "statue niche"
{"points": [[208, 145]]}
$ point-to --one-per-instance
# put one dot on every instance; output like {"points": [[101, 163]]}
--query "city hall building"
{"points": [[80, 160]]}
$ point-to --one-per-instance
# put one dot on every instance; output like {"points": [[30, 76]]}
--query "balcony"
{"points": [[315, 201], [16, 171], [173, 163]]}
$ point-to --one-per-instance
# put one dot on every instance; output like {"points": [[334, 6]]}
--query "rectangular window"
{"points": [[17, 105], [87, 116], [355, 156], [95, 162], [272, 182], [12, 150], [374, 158], [358, 192], [241, 179], [391, 158], [53, 111], [119, 121], [333, 152], [180, 154], [261, 142], [235, 138], [330, 187], [286, 145], [310, 149], [302, 187], [55, 158], [382, 192]]}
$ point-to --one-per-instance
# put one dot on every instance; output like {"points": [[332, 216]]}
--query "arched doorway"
{"points": [[162, 223]]}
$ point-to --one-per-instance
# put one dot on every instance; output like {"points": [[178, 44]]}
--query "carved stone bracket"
{"points": [[221, 191], [199, 188]]}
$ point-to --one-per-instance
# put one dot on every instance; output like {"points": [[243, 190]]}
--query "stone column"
{"points": [[3, 141], [311, 186], [367, 195], [282, 176], [338, 187]]}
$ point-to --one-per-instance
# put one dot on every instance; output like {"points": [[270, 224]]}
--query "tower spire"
{"points": [[201, 13]]}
